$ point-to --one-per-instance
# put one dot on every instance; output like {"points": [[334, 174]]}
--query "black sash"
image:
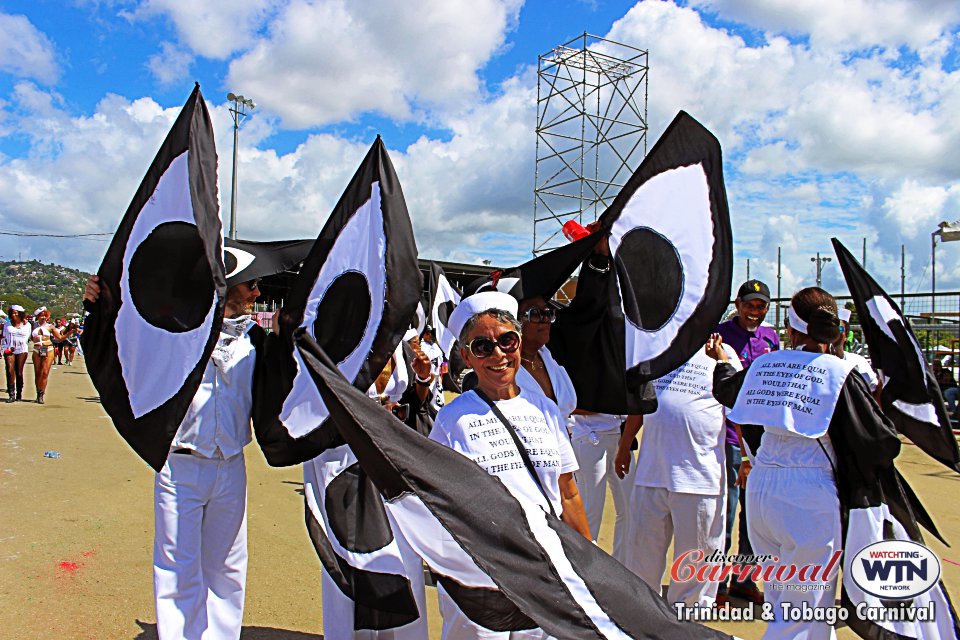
{"points": [[516, 440]]}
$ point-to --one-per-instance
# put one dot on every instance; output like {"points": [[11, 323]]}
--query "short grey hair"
{"points": [[502, 316]]}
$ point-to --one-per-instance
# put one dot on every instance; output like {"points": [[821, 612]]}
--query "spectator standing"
{"points": [[16, 336], [750, 339]]}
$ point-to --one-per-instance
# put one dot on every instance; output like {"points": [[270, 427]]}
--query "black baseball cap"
{"points": [[754, 290]]}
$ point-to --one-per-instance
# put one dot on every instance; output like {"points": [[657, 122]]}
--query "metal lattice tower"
{"points": [[591, 131]]}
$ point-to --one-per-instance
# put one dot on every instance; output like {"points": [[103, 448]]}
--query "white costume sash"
{"points": [[794, 390]]}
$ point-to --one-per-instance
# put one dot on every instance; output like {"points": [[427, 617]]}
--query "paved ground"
{"points": [[76, 531]]}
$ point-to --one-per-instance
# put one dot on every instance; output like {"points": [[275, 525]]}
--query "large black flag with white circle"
{"points": [[646, 305], [911, 397], [356, 293], [149, 336]]}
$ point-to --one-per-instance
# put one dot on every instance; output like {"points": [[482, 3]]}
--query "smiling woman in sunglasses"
{"points": [[515, 434]]}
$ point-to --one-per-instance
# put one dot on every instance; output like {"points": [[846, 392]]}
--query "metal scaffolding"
{"points": [[591, 123]]}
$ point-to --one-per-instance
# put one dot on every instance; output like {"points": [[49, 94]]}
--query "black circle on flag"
{"points": [[170, 279], [356, 512], [229, 261], [340, 327], [651, 264], [444, 311]]}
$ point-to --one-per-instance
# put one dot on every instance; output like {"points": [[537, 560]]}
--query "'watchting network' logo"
{"points": [[895, 569]]}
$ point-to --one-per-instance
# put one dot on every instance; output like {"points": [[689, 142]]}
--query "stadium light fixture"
{"points": [[239, 112]]}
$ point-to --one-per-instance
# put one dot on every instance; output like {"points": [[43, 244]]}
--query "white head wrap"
{"points": [[16, 307], [795, 321], [478, 303], [39, 311]]}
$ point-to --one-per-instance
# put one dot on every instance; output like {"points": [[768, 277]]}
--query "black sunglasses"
{"points": [[482, 347], [533, 314], [253, 284]]}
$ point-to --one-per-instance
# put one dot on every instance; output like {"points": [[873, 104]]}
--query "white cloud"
{"points": [[330, 61], [460, 193], [170, 65], [211, 28], [916, 209], [26, 52], [846, 25]]}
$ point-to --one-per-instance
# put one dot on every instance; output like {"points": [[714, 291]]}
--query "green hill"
{"points": [[33, 283]]}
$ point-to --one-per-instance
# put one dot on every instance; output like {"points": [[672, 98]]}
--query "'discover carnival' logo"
{"points": [[895, 569]]}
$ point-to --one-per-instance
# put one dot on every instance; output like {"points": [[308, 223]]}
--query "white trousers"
{"points": [[457, 626], [200, 547], [338, 608], [794, 514], [596, 472], [691, 520]]}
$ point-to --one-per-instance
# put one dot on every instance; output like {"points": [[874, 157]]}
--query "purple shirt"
{"points": [[749, 345]]}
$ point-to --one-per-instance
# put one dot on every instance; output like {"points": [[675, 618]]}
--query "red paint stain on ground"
{"points": [[70, 567]]}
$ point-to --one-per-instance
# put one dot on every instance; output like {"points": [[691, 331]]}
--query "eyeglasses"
{"points": [[533, 314], [483, 347], [254, 284]]}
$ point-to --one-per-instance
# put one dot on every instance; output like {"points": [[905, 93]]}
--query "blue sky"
{"points": [[835, 118]]}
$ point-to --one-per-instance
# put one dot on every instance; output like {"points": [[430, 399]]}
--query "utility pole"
{"points": [[903, 274], [748, 268], [778, 288]]}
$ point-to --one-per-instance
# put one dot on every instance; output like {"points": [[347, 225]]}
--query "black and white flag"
{"points": [[356, 294], [149, 336], [508, 564], [911, 397], [444, 297], [644, 310]]}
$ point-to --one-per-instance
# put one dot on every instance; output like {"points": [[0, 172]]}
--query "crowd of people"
{"points": [[694, 470], [50, 342]]}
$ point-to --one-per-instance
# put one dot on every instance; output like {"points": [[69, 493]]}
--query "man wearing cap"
{"points": [[748, 336]]}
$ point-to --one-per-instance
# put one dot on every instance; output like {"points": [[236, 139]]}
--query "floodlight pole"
{"points": [[239, 112], [933, 273], [820, 262]]}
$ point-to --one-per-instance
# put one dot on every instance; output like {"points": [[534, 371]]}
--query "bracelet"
{"points": [[416, 376]]}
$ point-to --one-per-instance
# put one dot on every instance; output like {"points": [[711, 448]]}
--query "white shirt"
{"points": [[218, 420], [467, 425], [16, 338], [582, 425], [862, 365], [682, 445], [559, 379]]}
